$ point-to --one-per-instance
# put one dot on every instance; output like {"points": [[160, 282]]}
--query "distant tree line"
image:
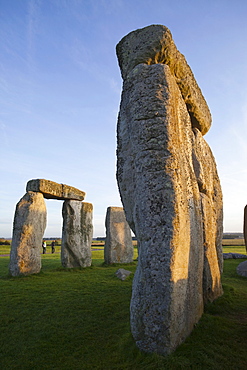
{"points": [[4, 241]]}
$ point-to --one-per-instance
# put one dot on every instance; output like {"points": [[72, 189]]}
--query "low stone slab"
{"points": [[227, 256], [53, 190], [122, 274], [242, 269], [28, 231]]}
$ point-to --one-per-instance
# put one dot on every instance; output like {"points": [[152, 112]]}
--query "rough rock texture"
{"points": [[122, 274], [170, 192], [154, 44], [242, 269], [77, 234], [28, 230], [53, 190], [212, 215], [245, 226], [227, 256], [118, 243]]}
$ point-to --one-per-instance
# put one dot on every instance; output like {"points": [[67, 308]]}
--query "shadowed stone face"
{"points": [[171, 196], [118, 243], [28, 231], [245, 227], [77, 234]]}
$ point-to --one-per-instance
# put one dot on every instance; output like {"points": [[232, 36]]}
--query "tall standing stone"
{"points": [[212, 216], [118, 243], [245, 227], [28, 231], [170, 202], [77, 234]]}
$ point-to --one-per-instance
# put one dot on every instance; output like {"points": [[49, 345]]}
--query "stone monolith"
{"points": [[118, 243], [245, 227], [77, 234], [171, 194], [28, 230]]}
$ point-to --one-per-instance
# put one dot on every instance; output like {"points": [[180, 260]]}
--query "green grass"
{"points": [[234, 249], [79, 319]]}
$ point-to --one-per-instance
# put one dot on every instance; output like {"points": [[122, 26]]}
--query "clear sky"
{"points": [[60, 89]]}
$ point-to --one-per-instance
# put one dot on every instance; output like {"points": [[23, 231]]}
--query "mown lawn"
{"points": [[79, 319]]}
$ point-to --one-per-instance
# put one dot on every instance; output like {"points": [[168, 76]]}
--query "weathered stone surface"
{"points": [[122, 274], [28, 230], [77, 234], [245, 227], [118, 243], [168, 201], [227, 256], [162, 203], [212, 216], [154, 44], [53, 190], [242, 269]]}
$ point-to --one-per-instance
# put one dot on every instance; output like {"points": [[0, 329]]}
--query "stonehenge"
{"points": [[77, 234], [170, 190], [28, 231], [245, 227], [30, 223], [118, 243]]}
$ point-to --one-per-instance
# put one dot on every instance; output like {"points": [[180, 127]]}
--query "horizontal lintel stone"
{"points": [[53, 190]]}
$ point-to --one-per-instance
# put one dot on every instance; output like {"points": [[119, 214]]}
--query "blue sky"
{"points": [[60, 89]]}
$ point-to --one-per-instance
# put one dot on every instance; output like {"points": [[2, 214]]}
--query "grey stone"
{"points": [[122, 274], [212, 215], [118, 242], [28, 230], [53, 190], [245, 227], [77, 234], [168, 200], [234, 256], [242, 269], [154, 44]]}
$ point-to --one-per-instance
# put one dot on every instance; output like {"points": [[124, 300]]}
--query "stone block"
{"points": [[118, 242], [77, 234], [171, 194], [53, 190], [28, 230], [154, 44]]}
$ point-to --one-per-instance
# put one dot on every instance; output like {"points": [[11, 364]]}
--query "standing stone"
{"points": [[77, 234], [118, 243], [212, 216], [245, 227], [171, 196], [28, 231]]}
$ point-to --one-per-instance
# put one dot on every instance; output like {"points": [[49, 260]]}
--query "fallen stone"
{"points": [[77, 234], [53, 190], [122, 274], [242, 269], [118, 243], [234, 256], [28, 230], [152, 45]]}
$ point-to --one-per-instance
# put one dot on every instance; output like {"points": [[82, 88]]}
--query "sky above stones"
{"points": [[60, 88]]}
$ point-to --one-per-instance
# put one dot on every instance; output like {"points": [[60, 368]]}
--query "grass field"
{"points": [[79, 319]]}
